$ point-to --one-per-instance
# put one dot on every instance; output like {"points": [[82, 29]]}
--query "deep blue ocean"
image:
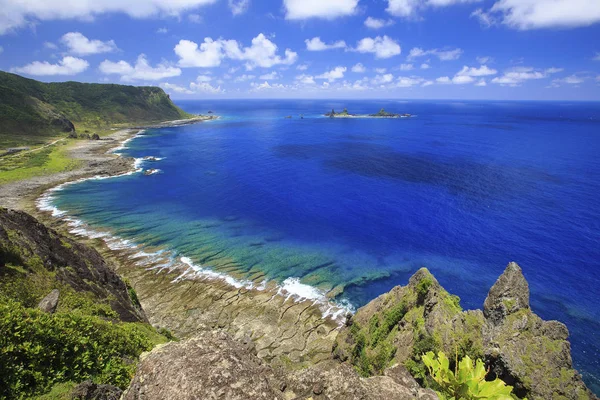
{"points": [[358, 205]]}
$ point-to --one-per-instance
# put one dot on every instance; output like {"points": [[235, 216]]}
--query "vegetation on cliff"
{"points": [[65, 316], [31, 111], [516, 345]]}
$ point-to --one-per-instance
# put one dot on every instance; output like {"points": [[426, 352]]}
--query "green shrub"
{"points": [[38, 350], [467, 382]]}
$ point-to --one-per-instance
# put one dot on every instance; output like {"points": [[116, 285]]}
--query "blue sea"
{"points": [[353, 207]]}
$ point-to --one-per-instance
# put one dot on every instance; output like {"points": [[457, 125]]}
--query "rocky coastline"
{"points": [[259, 345]]}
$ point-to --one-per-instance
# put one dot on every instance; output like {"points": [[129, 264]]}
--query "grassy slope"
{"points": [[31, 111]]}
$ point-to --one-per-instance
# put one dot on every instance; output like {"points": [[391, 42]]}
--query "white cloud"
{"points": [[50, 46], [162, 30], [427, 83], [443, 80], [481, 83], [302, 67], [410, 8], [203, 78], [17, 14], [326, 9], [359, 68], [204, 87], [336, 73], [485, 18], [173, 88], [270, 76], [200, 86], [306, 79], [383, 79], [316, 44], [141, 71], [474, 71], [244, 77], [409, 81], [82, 46], [67, 66], [425, 66], [382, 47], [574, 79], [484, 60], [267, 86], [238, 7], [375, 23], [406, 67], [537, 14], [462, 79], [262, 53], [516, 76], [381, 70], [195, 18], [443, 55]]}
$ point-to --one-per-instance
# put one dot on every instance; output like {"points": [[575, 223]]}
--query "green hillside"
{"points": [[31, 111]]}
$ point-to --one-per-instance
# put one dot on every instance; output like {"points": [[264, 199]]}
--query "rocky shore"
{"points": [[253, 344]]}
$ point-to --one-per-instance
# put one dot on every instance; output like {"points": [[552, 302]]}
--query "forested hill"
{"points": [[30, 109]]}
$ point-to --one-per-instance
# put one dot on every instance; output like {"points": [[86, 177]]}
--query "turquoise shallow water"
{"points": [[356, 206]]}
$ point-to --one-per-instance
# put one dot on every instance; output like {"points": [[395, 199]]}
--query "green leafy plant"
{"points": [[467, 382]]}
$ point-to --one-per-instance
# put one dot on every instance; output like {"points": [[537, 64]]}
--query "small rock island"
{"points": [[381, 114]]}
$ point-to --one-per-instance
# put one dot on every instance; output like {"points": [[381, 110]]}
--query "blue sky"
{"points": [[444, 49]]}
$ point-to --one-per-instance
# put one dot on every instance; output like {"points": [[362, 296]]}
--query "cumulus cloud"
{"points": [[410, 8], [481, 83], [267, 86], [425, 66], [325, 9], [476, 72], [244, 77], [574, 79], [262, 53], [302, 67], [381, 70], [382, 47], [306, 79], [375, 23], [316, 44], [238, 7], [537, 14], [383, 79], [199, 86], [271, 76], [359, 68], [140, 71], [442, 54], [17, 14], [406, 67], [518, 75], [409, 81], [67, 66], [162, 31], [336, 73], [80, 45]]}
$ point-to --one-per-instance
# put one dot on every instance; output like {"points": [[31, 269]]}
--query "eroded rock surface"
{"points": [[214, 366], [50, 302]]}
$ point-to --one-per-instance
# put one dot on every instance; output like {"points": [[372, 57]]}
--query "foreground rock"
{"points": [[214, 366], [532, 355], [25, 241]]}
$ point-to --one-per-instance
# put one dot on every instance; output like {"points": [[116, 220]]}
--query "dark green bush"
{"points": [[38, 350]]}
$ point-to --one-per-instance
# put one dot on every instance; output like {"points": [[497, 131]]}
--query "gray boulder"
{"points": [[50, 302]]}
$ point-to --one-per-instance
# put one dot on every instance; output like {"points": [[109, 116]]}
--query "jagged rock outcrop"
{"points": [[50, 302], [526, 352], [26, 242], [214, 366], [509, 294]]}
